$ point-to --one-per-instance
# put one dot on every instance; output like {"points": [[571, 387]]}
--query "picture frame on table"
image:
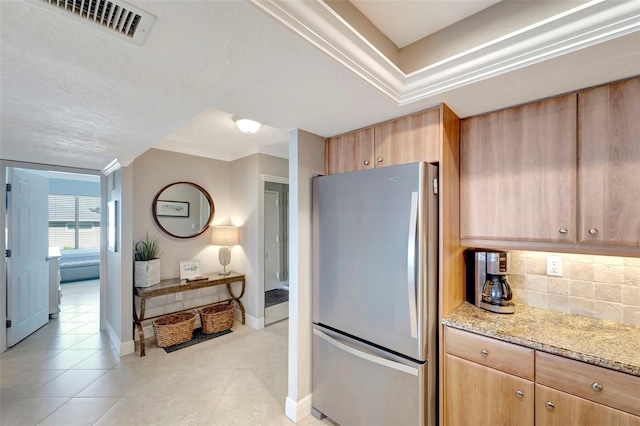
{"points": [[172, 208], [190, 270]]}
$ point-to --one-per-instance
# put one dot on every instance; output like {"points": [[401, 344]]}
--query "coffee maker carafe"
{"points": [[487, 280]]}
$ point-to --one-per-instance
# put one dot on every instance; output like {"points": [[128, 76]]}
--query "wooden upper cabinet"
{"points": [[349, 152], [609, 164], [400, 141], [408, 139], [518, 173]]}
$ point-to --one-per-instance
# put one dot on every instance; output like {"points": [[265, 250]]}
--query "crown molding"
{"points": [[591, 23]]}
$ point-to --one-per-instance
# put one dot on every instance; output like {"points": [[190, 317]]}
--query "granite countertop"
{"points": [[595, 341]]}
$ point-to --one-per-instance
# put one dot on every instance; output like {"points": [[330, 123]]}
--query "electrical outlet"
{"points": [[178, 296], [554, 266]]}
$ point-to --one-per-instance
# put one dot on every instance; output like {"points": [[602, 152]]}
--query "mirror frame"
{"points": [[199, 188]]}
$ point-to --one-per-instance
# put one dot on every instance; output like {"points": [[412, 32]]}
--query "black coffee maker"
{"points": [[487, 280]]}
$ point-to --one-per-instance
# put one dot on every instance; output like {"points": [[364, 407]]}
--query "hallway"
{"points": [[67, 373]]}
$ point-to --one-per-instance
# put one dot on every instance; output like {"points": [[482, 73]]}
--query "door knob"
{"points": [[593, 231], [549, 405], [379, 159], [519, 393], [366, 162], [563, 230], [484, 352], [596, 387]]}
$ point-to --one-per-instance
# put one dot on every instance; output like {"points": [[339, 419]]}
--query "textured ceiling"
{"points": [[74, 96]]}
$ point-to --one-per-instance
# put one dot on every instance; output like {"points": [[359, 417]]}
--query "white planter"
{"points": [[147, 272]]}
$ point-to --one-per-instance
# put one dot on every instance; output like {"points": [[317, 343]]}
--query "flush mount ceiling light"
{"points": [[248, 126]]}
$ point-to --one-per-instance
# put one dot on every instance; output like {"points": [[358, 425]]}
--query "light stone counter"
{"points": [[599, 342]]}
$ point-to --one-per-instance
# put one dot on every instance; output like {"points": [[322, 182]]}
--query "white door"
{"points": [[27, 268], [271, 241]]}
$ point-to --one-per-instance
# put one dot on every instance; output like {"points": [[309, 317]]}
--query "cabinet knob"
{"points": [[379, 159], [563, 231], [549, 405], [366, 162], [593, 231], [519, 393], [597, 387], [484, 352]]}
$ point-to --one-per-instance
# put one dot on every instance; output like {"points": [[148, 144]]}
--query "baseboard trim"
{"points": [[124, 348], [253, 322], [298, 411]]}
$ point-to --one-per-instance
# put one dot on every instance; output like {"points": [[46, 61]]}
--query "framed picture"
{"points": [[112, 223], [190, 269], [172, 208]]}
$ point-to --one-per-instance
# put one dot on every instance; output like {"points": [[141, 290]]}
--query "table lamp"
{"points": [[224, 236]]}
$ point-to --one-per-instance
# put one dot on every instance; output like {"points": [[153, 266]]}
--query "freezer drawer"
{"points": [[355, 384]]}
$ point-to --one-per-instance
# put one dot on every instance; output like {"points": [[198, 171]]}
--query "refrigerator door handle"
{"points": [[411, 265], [366, 356]]}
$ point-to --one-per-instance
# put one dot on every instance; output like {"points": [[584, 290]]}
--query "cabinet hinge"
{"points": [[435, 186], [7, 187], [7, 253], [8, 323]]}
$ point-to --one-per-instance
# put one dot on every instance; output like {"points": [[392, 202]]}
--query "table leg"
{"points": [[138, 324], [237, 299]]}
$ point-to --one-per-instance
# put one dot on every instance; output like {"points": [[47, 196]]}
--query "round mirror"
{"points": [[183, 209]]}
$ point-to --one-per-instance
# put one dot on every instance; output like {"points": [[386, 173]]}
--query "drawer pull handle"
{"points": [[484, 352], [597, 387], [366, 162], [549, 405], [379, 159], [519, 393], [563, 230], [593, 231]]}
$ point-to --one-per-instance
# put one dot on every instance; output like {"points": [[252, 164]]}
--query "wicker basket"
{"points": [[217, 318], [173, 329]]}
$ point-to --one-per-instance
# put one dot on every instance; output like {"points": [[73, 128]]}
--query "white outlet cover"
{"points": [[554, 266]]}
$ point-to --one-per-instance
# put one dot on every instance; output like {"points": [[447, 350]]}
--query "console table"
{"points": [[175, 285]]}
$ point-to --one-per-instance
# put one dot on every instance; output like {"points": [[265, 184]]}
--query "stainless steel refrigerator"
{"points": [[375, 241]]}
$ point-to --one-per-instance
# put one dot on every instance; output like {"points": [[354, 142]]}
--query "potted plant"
{"points": [[147, 261]]}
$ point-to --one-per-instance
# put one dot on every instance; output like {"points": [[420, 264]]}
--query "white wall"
{"points": [[306, 159], [247, 189], [118, 294]]}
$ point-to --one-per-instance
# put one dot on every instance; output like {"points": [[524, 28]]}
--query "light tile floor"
{"points": [[67, 373]]}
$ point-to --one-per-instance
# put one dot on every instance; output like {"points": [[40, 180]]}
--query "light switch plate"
{"points": [[554, 266]]}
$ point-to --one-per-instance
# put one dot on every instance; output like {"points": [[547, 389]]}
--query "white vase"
{"points": [[147, 272]]}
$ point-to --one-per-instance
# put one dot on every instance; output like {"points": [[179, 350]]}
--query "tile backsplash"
{"points": [[605, 287]]}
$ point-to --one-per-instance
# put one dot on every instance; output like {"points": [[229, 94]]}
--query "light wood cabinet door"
{"points": [[349, 152], [609, 164], [408, 139], [477, 395], [555, 408], [518, 173]]}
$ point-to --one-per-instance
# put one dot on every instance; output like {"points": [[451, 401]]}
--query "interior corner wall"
{"points": [[306, 159], [119, 269], [244, 214]]}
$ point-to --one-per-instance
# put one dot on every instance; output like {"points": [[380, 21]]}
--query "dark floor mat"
{"points": [[273, 297], [198, 337]]}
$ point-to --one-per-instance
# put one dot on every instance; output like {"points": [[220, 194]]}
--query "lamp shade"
{"points": [[248, 126], [224, 235]]}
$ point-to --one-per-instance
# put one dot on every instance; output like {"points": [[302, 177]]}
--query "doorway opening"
{"points": [[276, 252], [53, 237]]}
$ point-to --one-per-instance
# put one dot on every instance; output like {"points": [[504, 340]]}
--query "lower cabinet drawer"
{"points": [[503, 356], [608, 387], [556, 408]]}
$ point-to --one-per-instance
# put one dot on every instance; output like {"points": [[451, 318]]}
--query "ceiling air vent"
{"points": [[114, 16]]}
